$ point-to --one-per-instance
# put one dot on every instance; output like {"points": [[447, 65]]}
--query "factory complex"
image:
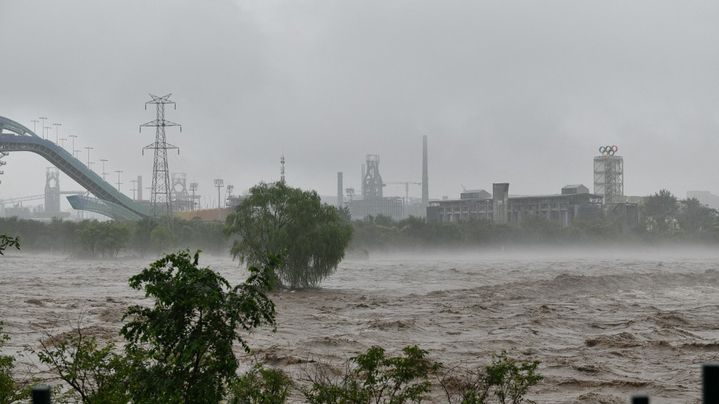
{"points": [[573, 202]]}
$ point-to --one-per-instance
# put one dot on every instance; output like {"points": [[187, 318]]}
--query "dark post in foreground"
{"points": [[41, 394], [640, 400], [710, 378]]}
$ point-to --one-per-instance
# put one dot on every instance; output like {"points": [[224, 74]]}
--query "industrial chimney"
{"points": [[425, 184]]}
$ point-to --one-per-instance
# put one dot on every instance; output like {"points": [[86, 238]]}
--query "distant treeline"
{"points": [[664, 218], [92, 238]]}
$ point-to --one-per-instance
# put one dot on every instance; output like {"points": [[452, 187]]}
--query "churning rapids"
{"points": [[605, 325]]}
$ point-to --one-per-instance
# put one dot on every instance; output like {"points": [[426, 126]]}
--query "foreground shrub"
{"points": [[95, 374], [10, 389], [373, 377], [7, 241], [505, 380], [179, 350], [261, 385]]}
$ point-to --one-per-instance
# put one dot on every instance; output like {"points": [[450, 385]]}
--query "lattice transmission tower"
{"points": [[160, 192]]}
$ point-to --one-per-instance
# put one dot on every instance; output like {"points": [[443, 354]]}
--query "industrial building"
{"points": [[572, 203], [372, 201]]}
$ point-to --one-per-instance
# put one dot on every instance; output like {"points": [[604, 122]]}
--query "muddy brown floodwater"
{"points": [[605, 325]]}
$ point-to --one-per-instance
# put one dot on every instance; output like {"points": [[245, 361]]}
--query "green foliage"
{"points": [[660, 211], [96, 375], [180, 349], [103, 238], [10, 390], [374, 377], [511, 379], [505, 380], [7, 241], [696, 218], [310, 236], [161, 238], [92, 238], [260, 385]]}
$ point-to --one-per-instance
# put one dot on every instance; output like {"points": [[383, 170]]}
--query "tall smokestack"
{"points": [[340, 197], [425, 179]]}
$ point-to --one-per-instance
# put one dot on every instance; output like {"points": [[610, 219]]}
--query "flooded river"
{"points": [[605, 325]]}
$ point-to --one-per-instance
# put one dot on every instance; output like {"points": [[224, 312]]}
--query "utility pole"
{"points": [[160, 193], [62, 142], [118, 179], [57, 126], [103, 168], [88, 155], [45, 132], [219, 183], [134, 188], [34, 125]]}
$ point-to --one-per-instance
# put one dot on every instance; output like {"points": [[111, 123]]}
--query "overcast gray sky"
{"points": [[507, 91]]}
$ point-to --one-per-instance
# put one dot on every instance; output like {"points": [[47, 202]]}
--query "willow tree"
{"points": [[277, 220]]}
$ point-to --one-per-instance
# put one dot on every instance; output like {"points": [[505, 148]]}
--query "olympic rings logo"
{"points": [[608, 150]]}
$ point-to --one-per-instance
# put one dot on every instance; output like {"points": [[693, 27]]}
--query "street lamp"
{"points": [[118, 179], [73, 151], [134, 188], [88, 155], [57, 132], [103, 167], [219, 183], [43, 119]]}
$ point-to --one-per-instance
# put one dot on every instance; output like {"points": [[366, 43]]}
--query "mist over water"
{"points": [[606, 323]]}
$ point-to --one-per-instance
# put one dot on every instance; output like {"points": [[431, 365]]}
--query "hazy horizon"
{"points": [[521, 92]]}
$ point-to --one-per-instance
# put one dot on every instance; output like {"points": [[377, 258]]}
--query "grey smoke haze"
{"points": [[516, 91]]}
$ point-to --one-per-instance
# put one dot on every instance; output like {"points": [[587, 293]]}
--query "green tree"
{"points": [[7, 241], [103, 238], [694, 217], [162, 238], [310, 236], [180, 348], [374, 377], [95, 374], [261, 385], [10, 390], [660, 211], [511, 379]]}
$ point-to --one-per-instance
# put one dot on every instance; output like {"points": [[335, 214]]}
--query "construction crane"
{"points": [[406, 188]]}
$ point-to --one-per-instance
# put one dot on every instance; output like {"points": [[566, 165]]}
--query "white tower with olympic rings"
{"points": [[609, 175]]}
